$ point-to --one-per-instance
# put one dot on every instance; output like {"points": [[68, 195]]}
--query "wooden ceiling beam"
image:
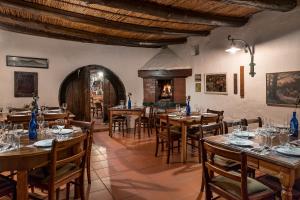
{"points": [[50, 30], [97, 21], [171, 13], [276, 5]]}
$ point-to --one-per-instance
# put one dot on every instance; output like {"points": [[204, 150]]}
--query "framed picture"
{"points": [[198, 87], [197, 77], [216, 83], [282, 88], [17, 61], [26, 83]]}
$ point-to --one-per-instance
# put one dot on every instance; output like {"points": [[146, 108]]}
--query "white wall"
{"points": [[64, 57], [277, 40]]}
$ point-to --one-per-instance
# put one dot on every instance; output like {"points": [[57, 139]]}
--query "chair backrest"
{"points": [[19, 119], [219, 113], [211, 129], [67, 152], [229, 124], [10, 110], [208, 152], [209, 119], [258, 121], [163, 126], [88, 128]]}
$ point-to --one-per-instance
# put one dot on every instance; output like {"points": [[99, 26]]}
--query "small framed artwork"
{"points": [[216, 83], [197, 77], [26, 84], [283, 88], [17, 61], [198, 87]]}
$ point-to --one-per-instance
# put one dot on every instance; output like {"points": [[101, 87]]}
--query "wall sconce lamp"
{"points": [[247, 48]]}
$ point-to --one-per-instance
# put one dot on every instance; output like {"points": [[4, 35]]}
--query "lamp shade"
{"points": [[233, 49]]}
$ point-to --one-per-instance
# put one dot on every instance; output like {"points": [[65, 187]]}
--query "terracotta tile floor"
{"points": [[126, 168]]}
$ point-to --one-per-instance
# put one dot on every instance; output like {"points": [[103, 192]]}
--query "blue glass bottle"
{"points": [[294, 125], [129, 104], [188, 108], [32, 133]]}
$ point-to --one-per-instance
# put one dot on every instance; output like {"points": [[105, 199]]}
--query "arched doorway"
{"points": [[75, 91]]}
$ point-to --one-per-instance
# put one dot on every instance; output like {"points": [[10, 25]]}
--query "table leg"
{"points": [[22, 190], [140, 125], [183, 141], [110, 123], [287, 182]]}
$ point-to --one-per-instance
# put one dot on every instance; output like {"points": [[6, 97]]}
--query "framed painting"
{"points": [[17, 61], [197, 77], [216, 83], [26, 84], [197, 87], [282, 88]]}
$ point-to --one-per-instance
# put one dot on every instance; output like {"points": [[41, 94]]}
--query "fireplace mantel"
{"points": [[175, 73]]}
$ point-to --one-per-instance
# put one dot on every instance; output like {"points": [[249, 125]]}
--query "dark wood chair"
{"points": [[19, 119], [219, 113], [121, 122], [230, 124], [7, 187], [230, 184], [165, 134], [247, 122], [146, 121], [66, 164], [98, 109], [88, 128]]}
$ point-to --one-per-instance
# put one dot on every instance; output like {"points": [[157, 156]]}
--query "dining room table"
{"points": [[138, 111], [281, 161], [29, 155], [184, 122]]}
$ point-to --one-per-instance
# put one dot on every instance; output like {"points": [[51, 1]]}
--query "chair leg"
{"points": [[156, 148], [178, 146], [57, 193], [82, 195], [134, 129], [114, 126], [88, 169], [126, 123], [162, 145], [148, 127], [123, 127], [169, 152], [68, 191], [199, 151]]}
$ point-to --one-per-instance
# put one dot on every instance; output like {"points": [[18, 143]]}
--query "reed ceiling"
{"points": [[139, 23]]}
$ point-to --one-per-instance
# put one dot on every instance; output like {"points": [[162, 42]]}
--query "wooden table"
{"points": [[184, 122], [136, 111], [3, 116], [285, 168], [24, 159]]}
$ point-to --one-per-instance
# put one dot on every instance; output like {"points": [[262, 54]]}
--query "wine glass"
{"points": [[284, 137], [46, 128], [178, 109], [18, 131], [64, 106], [40, 121]]}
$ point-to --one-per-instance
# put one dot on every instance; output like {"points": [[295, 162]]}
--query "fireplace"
{"points": [[164, 90]]}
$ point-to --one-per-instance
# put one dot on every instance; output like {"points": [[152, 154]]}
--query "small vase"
{"points": [[129, 104], [32, 133], [188, 108], [294, 125]]}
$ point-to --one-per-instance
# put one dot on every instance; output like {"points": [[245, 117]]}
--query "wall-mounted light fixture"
{"points": [[247, 48]]}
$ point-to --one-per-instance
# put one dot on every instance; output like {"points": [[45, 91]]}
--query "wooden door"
{"points": [[78, 94], [109, 98]]}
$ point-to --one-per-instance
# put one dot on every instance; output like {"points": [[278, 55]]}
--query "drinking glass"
{"points": [[18, 131], [284, 137], [1, 109], [178, 109], [40, 121], [236, 126], [64, 106], [46, 128]]}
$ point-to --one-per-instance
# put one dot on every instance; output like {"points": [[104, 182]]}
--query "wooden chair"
{"points": [[230, 124], [204, 130], [7, 187], [121, 122], [258, 121], [228, 184], [166, 134], [146, 122], [88, 128], [67, 164], [98, 109], [19, 119], [219, 113]]}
